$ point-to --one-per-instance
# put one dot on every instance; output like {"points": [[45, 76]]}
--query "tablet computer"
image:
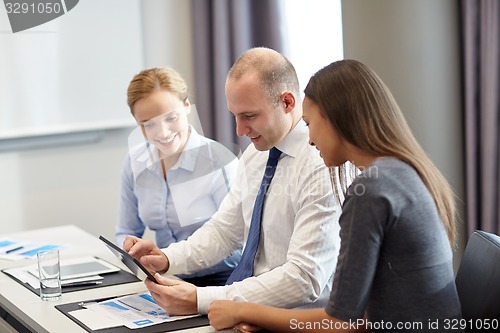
{"points": [[82, 267], [133, 264]]}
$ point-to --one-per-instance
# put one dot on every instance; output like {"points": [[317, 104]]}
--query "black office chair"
{"points": [[478, 277]]}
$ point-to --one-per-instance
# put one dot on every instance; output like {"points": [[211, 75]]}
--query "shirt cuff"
{"points": [[174, 268], [206, 295]]}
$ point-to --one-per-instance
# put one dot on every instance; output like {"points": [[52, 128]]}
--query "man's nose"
{"points": [[241, 127]]}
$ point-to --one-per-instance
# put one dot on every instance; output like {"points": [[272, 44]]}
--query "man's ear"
{"points": [[289, 101], [188, 106]]}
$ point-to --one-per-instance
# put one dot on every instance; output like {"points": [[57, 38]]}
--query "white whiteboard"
{"points": [[70, 74]]}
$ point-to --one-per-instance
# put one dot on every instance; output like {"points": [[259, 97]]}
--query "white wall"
{"points": [[414, 46], [73, 184], [79, 184]]}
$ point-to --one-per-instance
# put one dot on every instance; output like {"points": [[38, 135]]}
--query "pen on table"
{"points": [[14, 249], [81, 283], [93, 301]]}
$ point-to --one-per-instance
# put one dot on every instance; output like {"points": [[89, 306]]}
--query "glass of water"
{"points": [[49, 271]]}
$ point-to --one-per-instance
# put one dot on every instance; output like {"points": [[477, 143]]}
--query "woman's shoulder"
{"points": [[389, 175], [220, 150], [385, 168]]}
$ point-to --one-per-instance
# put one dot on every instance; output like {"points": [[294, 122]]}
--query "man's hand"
{"points": [[148, 254], [175, 296]]}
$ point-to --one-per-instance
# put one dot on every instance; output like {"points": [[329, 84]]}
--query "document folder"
{"points": [[163, 327]]}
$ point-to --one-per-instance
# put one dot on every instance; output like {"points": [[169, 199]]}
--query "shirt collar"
{"points": [[146, 156], [289, 143]]}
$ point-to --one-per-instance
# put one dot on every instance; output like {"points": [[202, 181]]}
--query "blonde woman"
{"points": [[173, 179], [394, 270]]}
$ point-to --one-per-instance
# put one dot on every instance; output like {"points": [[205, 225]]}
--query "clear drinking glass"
{"points": [[49, 271]]}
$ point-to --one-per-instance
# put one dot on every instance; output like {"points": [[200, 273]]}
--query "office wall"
{"points": [[414, 46], [79, 183]]}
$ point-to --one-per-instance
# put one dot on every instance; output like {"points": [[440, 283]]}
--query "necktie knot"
{"points": [[274, 153]]}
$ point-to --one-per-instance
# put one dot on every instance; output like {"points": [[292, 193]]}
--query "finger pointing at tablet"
{"points": [[147, 253]]}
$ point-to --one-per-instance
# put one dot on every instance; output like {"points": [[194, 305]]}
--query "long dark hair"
{"points": [[363, 111]]}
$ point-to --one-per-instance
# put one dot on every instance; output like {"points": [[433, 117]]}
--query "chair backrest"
{"points": [[478, 277]]}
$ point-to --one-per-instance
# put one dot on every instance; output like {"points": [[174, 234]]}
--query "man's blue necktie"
{"points": [[245, 267]]}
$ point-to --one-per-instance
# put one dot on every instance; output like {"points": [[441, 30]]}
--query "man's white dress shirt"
{"points": [[299, 241]]}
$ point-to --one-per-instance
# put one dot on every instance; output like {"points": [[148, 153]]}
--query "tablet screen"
{"points": [[86, 269], [81, 267], [133, 264]]}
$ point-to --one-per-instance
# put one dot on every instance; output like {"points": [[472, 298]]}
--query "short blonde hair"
{"points": [[154, 79]]}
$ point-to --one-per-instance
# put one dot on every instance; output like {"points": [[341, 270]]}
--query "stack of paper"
{"points": [[133, 311]]}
